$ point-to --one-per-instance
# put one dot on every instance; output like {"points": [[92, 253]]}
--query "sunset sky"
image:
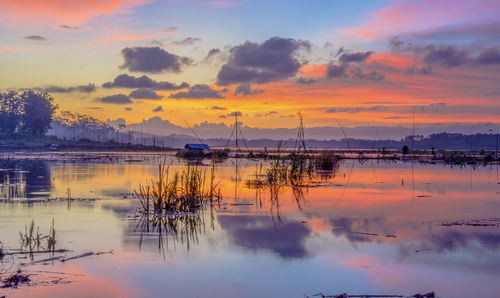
{"points": [[363, 63]]}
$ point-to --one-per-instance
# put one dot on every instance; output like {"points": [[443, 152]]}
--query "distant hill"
{"points": [[440, 141]]}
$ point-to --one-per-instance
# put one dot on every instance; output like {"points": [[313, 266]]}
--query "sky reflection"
{"points": [[372, 227]]}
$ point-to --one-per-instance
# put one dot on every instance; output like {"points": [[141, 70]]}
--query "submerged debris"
{"points": [[15, 279], [473, 223], [345, 295]]}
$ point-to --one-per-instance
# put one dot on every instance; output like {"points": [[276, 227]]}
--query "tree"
{"points": [[405, 150], [38, 109], [11, 109]]}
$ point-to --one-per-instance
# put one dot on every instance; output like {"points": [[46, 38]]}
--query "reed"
{"points": [[294, 169], [32, 240], [183, 191]]}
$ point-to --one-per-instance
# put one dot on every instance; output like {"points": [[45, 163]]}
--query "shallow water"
{"points": [[372, 228]]}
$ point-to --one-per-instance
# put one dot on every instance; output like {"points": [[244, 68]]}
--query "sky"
{"points": [[370, 63]]}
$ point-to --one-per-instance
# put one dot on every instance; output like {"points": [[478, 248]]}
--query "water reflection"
{"points": [[369, 225], [170, 231], [24, 179], [258, 233]]}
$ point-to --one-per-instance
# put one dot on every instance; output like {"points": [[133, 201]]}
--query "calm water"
{"points": [[372, 228]]}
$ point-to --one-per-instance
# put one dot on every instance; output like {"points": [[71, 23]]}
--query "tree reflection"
{"points": [[24, 179]]}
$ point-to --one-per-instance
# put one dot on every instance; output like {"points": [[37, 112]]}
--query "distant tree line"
{"points": [[75, 126], [28, 112]]}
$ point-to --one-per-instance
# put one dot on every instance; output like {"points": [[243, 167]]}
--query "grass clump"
{"points": [[183, 191], [326, 161], [188, 154], [283, 171]]}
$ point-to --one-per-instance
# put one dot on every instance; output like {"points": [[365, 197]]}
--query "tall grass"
{"points": [[326, 161], [182, 191], [293, 170]]}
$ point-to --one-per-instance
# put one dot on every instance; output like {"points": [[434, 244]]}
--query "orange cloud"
{"points": [[72, 12], [11, 49], [132, 37], [391, 59], [314, 70]]}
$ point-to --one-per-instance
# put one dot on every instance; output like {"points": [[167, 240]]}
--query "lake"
{"points": [[373, 227]]}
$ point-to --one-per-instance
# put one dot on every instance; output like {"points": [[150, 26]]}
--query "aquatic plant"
{"points": [[32, 240], [294, 169], [2, 253], [187, 154], [327, 161], [183, 191]]}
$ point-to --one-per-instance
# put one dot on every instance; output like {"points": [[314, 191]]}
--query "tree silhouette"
{"points": [[27, 112], [11, 109]]}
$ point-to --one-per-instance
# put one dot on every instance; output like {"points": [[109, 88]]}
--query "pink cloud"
{"points": [[58, 12], [223, 3], [411, 16]]}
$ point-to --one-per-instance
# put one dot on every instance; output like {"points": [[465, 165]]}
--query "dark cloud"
{"points": [[464, 33], [343, 69], [336, 71], [115, 99], [395, 117], [144, 93], [199, 91], [170, 29], [69, 27], [305, 81], [425, 108], [211, 55], [157, 43], [58, 89], [396, 43], [158, 109], [237, 113], [415, 70], [187, 41], [447, 56], [357, 73], [35, 37], [273, 60], [126, 81], [340, 51], [352, 110], [354, 57], [488, 56], [442, 55], [217, 108], [246, 89], [152, 60], [430, 108]]}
